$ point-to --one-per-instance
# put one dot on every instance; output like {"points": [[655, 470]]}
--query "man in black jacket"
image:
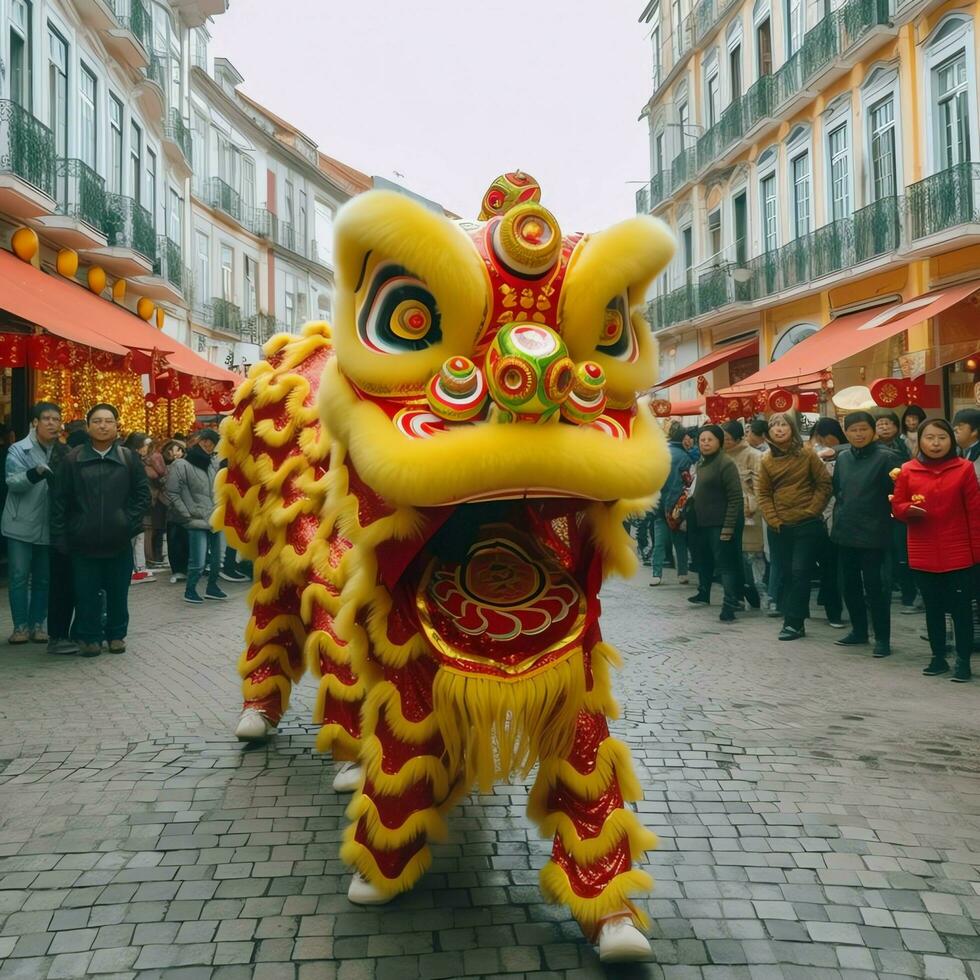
{"points": [[862, 531], [100, 497]]}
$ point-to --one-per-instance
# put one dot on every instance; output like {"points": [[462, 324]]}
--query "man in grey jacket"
{"points": [[190, 494], [26, 523]]}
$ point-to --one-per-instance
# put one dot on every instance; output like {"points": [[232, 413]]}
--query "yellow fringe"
{"points": [[339, 742], [612, 762], [590, 911], [425, 767], [616, 546], [384, 694], [428, 823], [519, 722], [620, 824], [600, 700], [356, 855]]}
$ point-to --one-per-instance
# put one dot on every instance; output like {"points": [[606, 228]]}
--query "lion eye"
{"points": [[617, 339], [399, 313]]}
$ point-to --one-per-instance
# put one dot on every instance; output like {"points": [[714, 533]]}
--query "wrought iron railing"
{"points": [[833, 247], [80, 193], [226, 316], [683, 168], [643, 199], [858, 18], [225, 198], [132, 15], [156, 70], [179, 132], [877, 229], [820, 46], [129, 225], [673, 307], [944, 200], [27, 148], [169, 264], [757, 102]]}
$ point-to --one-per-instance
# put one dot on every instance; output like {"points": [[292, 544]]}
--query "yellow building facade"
{"points": [[815, 161]]}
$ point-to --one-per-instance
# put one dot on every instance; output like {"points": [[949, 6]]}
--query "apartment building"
{"points": [[263, 199], [815, 161]]}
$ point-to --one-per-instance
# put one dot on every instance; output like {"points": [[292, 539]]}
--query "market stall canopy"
{"points": [[811, 360], [185, 361], [71, 311], [719, 356], [693, 406]]}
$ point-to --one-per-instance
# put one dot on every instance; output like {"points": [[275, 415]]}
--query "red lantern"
{"points": [[660, 408], [781, 400], [889, 392], [702, 384]]}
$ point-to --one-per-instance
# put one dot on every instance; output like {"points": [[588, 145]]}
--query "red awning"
{"points": [[71, 311], [811, 360], [187, 362], [719, 356], [693, 406]]}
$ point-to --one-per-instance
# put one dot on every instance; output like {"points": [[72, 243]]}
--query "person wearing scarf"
{"points": [[937, 496], [794, 487], [719, 514]]}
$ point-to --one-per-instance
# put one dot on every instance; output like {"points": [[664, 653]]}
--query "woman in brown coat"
{"points": [[794, 487]]}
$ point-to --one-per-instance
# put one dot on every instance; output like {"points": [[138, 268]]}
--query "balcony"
{"points": [[643, 200], [943, 202], [79, 221], [674, 307], [177, 142], [129, 38], [877, 229], [167, 279], [195, 13], [98, 14], [223, 197], [863, 25], [152, 89], [131, 242], [684, 169], [757, 105], [27, 163], [648, 197]]}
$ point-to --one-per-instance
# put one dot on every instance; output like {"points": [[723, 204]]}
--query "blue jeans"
{"points": [[30, 571], [661, 529], [199, 541]]}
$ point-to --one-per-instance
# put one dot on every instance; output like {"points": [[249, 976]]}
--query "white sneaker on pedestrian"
{"points": [[656, 580], [177, 577], [621, 942], [683, 580]]}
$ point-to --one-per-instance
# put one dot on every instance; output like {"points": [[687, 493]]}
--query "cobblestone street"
{"points": [[818, 813]]}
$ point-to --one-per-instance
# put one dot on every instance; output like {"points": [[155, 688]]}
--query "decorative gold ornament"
{"points": [[161, 318], [96, 279], [25, 244], [145, 308], [67, 263], [119, 290]]}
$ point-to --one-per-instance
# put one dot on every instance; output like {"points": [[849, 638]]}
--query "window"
{"points": [[21, 53], [302, 230], [684, 122], [735, 71], [289, 300], [953, 100], [175, 217], [135, 160], [150, 194], [801, 195], [58, 90], [740, 214], [840, 173], [763, 35], [714, 235], [88, 118], [711, 101], [323, 230], [881, 119], [227, 273], [794, 21], [655, 44], [203, 247], [250, 290], [658, 152], [687, 252], [115, 145], [676, 25], [290, 195], [770, 227], [791, 337], [248, 182]]}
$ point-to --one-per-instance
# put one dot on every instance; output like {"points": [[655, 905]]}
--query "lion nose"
{"points": [[529, 373]]}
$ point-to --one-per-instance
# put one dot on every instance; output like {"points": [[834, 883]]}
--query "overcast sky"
{"points": [[450, 93]]}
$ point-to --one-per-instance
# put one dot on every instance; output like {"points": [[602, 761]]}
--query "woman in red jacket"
{"points": [[937, 495]]}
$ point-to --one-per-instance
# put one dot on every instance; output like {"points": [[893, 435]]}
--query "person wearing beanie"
{"points": [[190, 491], [675, 485], [748, 462], [862, 531], [912, 418], [719, 516], [794, 487], [937, 496]]}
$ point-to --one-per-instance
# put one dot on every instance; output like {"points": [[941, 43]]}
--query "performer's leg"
{"points": [[580, 799], [273, 657], [407, 787]]}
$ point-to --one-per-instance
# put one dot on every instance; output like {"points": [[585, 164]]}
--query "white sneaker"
{"points": [[349, 778], [178, 577], [656, 580], [362, 892], [253, 726], [683, 580], [621, 942]]}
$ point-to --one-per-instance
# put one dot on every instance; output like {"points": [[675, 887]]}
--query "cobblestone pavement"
{"points": [[818, 810]]}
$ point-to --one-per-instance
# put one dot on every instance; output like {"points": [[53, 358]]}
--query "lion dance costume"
{"points": [[432, 492]]}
